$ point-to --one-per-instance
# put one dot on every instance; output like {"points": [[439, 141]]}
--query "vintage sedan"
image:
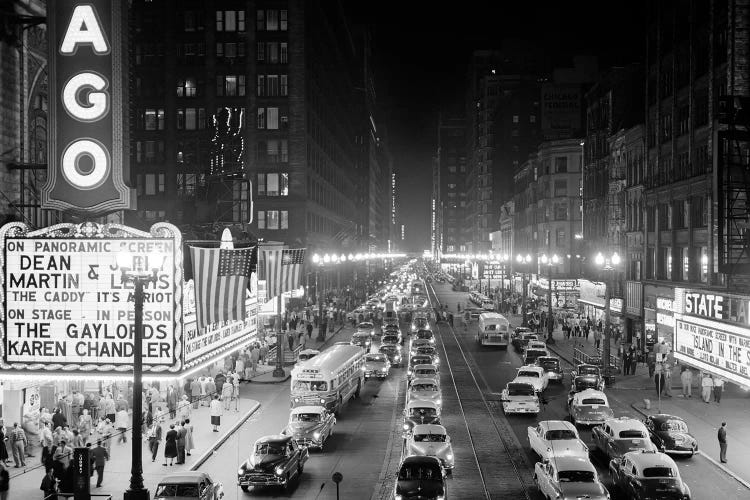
{"points": [[189, 485], [425, 389], [671, 434], [589, 407], [420, 412], [391, 337], [310, 426], [366, 327], [424, 333], [646, 475], [617, 436], [362, 339], [556, 438], [586, 377], [522, 338], [276, 460], [420, 478], [393, 352], [419, 323], [377, 366], [533, 375], [569, 478], [427, 371], [417, 343], [417, 359], [551, 366], [530, 355], [520, 398], [431, 440]]}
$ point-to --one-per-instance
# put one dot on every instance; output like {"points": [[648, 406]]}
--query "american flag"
{"points": [[220, 277], [283, 270]]}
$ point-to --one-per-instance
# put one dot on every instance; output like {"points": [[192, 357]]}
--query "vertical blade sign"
{"points": [[88, 135]]}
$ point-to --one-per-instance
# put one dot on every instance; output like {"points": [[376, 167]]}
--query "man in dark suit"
{"points": [[723, 442], [181, 433], [100, 457]]}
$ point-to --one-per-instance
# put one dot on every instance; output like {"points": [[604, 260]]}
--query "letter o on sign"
{"points": [[70, 164]]}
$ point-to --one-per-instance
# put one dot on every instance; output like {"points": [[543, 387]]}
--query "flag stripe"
{"points": [[283, 270]]}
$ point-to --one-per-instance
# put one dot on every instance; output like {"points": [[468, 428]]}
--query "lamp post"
{"points": [[525, 260], [607, 264], [138, 270], [549, 262]]}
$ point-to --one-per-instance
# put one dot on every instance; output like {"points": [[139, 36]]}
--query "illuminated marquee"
{"points": [[88, 141], [65, 307]]}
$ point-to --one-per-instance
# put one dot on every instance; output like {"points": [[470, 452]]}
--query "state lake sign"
{"points": [[65, 307]]}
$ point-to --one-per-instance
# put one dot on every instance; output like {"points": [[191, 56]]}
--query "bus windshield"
{"points": [[314, 385]]}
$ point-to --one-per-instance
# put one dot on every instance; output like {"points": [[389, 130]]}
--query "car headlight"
{"points": [[406, 427], [296, 400], [279, 471], [322, 401], [397, 497], [316, 435], [241, 471], [439, 401], [449, 456]]}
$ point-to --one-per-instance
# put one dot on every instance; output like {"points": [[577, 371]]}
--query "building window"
{"points": [[260, 52], [261, 85], [283, 85], [272, 52], [230, 51], [230, 85], [261, 118], [261, 219], [561, 164], [272, 20], [684, 272], [532, 118], [515, 118], [192, 21], [272, 219], [191, 118], [560, 241], [230, 20], [561, 212], [152, 119], [272, 83], [187, 87], [272, 118], [154, 184], [284, 219], [561, 187], [283, 48]]}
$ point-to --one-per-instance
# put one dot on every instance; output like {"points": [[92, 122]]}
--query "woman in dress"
{"points": [[183, 408], [84, 425], [189, 443], [170, 446]]}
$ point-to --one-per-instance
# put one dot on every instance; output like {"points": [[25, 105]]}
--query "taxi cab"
{"points": [[645, 475]]}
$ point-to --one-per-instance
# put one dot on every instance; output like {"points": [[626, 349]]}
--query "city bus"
{"points": [[494, 329], [329, 379]]}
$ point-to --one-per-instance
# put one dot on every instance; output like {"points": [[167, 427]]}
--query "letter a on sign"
{"points": [[88, 137]]}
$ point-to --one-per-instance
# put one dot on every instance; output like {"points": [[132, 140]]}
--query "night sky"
{"points": [[421, 53]]}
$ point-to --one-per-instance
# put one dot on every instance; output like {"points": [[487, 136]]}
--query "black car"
{"points": [[671, 435], [421, 477], [420, 412], [521, 338], [586, 376], [393, 352], [552, 368]]}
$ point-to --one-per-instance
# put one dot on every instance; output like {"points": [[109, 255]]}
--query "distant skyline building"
{"points": [[449, 184]]}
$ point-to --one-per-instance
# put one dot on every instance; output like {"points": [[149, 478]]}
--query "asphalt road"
{"points": [[494, 367]]}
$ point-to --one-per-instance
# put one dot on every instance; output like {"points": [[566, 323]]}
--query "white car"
{"points": [[520, 398], [556, 438], [426, 372], [534, 375], [425, 389], [535, 344], [431, 440], [569, 478]]}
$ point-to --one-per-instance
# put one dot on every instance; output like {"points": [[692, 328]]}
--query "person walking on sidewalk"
{"points": [[254, 358], [718, 388], [235, 378], [227, 390], [4, 481], [597, 338], [309, 330], [121, 424], [181, 432], [189, 443], [707, 387], [659, 378], [49, 485], [686, 377], [170, 446], [216, 413], [99, 456], [18, 444], [154, 438], [723, 442], [667, 379], [195, 392]]}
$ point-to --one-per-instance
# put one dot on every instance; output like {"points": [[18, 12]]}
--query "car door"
{"points": [[537, 435]]}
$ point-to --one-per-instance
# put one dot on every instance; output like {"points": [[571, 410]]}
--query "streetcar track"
{"points": [[482, 406]]}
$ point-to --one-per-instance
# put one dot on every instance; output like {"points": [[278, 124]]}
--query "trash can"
{"points": [[647, 404]]}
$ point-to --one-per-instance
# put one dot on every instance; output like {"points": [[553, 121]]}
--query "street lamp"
{"points": [[525, 260], [139, 270], [549, 262], [608, 264]]}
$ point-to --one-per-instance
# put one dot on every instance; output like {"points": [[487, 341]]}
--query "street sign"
{"points": [[65, 307]]}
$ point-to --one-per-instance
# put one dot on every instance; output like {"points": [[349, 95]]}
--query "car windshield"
{"points": [[429, 438], [269, 449], [631, 434], [426, 350], [528, 373], [388, 349], [424, 334], [593, 401], [420, 361], [365, 326], [390, 339], [559, 434], [659, 472], [674, 425], [550, 364], [306, 417], [423, 472], [177, 490], [584, 384], [304, 385], [588, 370], [424, 387], [427, 372], [375, 357], [423, 412], [305, 357], [576, 476], [533, 354], [520, 390]]}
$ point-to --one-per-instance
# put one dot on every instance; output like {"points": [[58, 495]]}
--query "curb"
{"points": [[721, 466], [207, 454]]}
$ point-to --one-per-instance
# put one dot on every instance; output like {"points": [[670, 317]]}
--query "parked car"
{"points": [[521, 337], [589, 407], [310, 426], [519, 398], [643, 475], [569, 478], [617, 436], [551, 366], [377, 366], [533, 375], [586, 376], [556, 438], [275, 460], [188, 485], [530, 355], [393, 352], [425, 389], [420, 411], [420, 478], [670, 434], [431, 440]]}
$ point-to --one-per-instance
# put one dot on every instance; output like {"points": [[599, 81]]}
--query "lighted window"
{"points": [[272, 184], [284, 219], [272, 118], [261, 184], [704, 264], [150, 184], [261, 118], [261, 219], [283, 19], [272, 20], [272, 219]]}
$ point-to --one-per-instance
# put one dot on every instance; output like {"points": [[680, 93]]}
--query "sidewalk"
{"points": [[24, 483], [703, 419]]}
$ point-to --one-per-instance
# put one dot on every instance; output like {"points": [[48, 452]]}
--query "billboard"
{"points": [[561, 110], [66, 307], [88, 107]]}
